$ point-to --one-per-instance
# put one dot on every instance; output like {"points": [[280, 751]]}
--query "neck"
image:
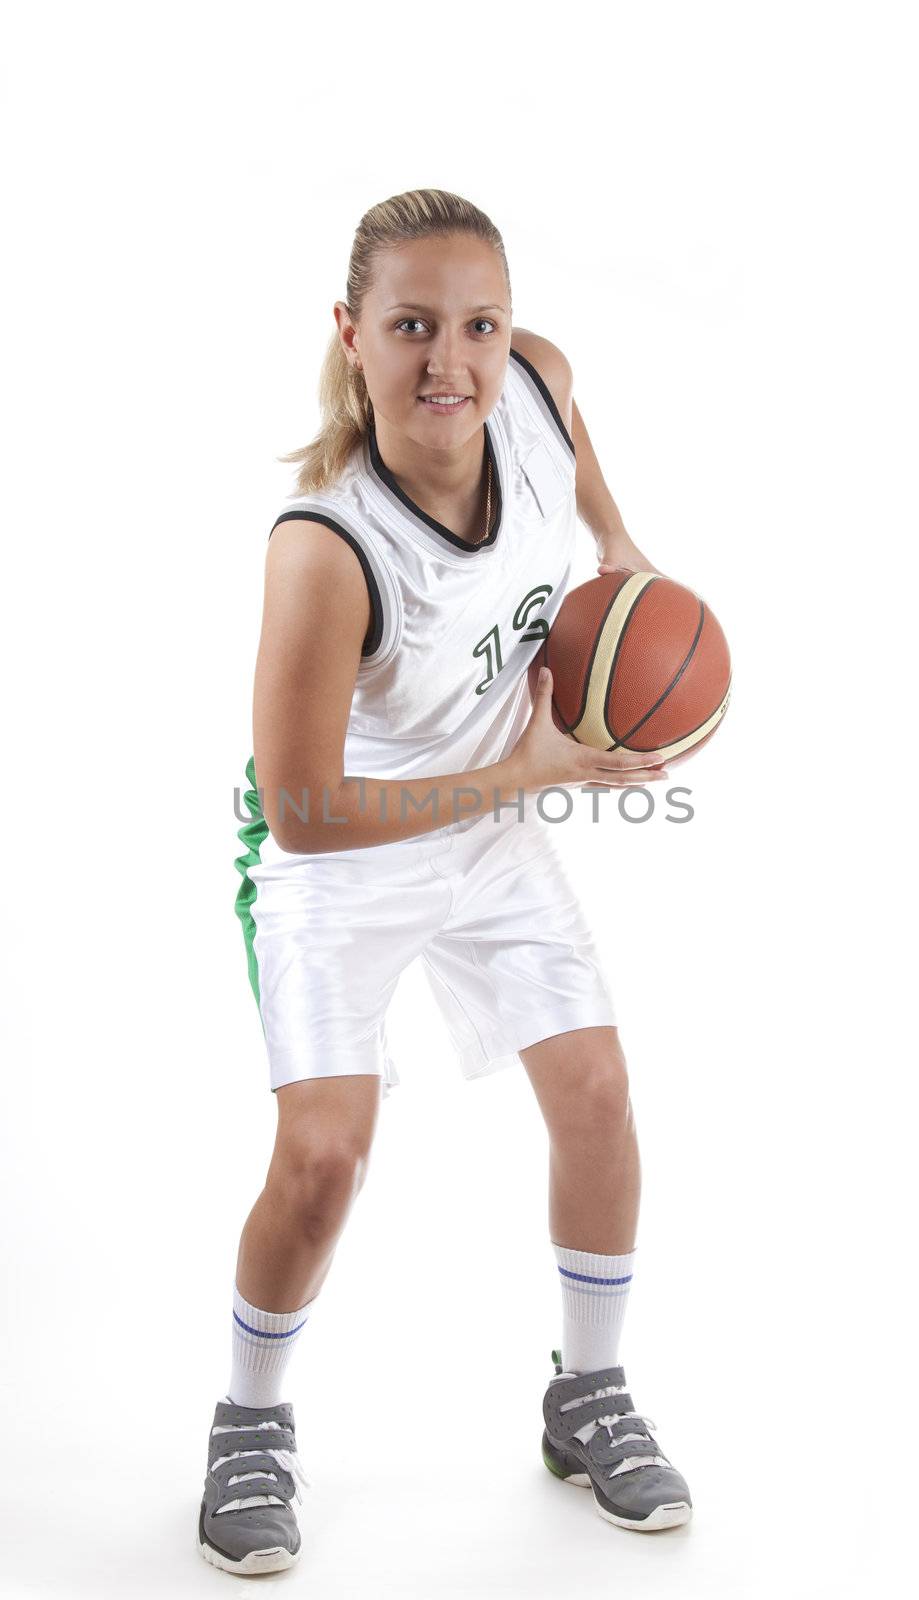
{"points": [[451, 475]]}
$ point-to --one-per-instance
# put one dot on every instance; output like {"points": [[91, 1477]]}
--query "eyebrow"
{"points": [[404, 305]]}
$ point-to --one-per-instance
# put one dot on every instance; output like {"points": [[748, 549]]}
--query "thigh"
{"points": [[327, 1121]]}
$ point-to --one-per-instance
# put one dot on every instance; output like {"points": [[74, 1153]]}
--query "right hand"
{"points": [[544, 757]]}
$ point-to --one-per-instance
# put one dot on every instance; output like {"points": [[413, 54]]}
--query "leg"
{"points": [[247, 1522], [581, 1083], [325, 1131]]}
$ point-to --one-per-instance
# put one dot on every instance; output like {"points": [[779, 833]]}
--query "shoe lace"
{"points": [[629, 1463], [289, 1460]]}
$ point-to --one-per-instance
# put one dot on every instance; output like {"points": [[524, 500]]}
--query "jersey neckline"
{"points": [[382, 472]]}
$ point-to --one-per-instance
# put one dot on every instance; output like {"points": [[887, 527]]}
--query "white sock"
{"points": [[595, 1291], [262, 1345]]}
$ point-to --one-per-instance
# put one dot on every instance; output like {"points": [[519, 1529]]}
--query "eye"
{"points": [[491, 326]]}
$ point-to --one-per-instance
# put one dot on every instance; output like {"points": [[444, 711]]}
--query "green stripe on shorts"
{"points": [[251, 834]]}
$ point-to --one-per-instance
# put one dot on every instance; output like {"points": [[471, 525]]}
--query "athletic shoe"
{"points": [[634, 1484], [255, 1531]]}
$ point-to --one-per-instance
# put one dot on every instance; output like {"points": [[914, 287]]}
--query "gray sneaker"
{"points": [[251, 1529], [634, 1484]]}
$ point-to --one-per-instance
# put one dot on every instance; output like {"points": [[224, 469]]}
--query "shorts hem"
{"points": [[351, 1067], [561, 1019]]}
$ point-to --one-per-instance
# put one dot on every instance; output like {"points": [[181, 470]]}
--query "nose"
{"points": [[444, 361]]}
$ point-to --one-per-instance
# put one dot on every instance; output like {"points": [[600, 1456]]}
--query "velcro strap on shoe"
{"points": [[281, 1483], [223, 1444], [580, 1383], [609, 1452], [627, 1423], [563, 1425], [228, 1415]]}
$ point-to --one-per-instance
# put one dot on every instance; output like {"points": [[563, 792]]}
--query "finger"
{"points": [[623, 779], [617, 774], [636, 766]]}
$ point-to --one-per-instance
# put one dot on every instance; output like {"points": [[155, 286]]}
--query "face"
{"points": [[437, 320]]}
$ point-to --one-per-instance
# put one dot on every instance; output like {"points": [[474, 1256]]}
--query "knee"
{"points": [[317, 1178], [601, 1099], [607, 1093]]}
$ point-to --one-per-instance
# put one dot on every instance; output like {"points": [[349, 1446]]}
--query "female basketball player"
{"points": [[409, 584]]}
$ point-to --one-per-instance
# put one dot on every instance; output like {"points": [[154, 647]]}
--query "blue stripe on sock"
{"points": [[583, 1277], [262, 1334]]}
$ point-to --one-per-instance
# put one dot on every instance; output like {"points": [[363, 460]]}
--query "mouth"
{"points": [[444, 404]]}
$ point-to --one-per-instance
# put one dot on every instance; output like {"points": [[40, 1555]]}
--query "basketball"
{"points": [[640, 664]]}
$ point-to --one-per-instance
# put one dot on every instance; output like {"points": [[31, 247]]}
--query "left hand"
{"points": [[630, 566], [617, 550]]}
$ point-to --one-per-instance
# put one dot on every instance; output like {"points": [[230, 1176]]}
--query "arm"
{"points": [[596, 507], [316, 614]]}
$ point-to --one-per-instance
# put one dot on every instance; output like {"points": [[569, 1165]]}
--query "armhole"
{"points": [[379, 633], [542, 401]]}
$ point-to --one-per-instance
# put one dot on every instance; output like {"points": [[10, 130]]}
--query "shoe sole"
{"points": [[276, 1559], [570, 1470]]}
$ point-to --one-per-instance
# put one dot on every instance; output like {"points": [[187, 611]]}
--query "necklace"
{"points": [[484, 535]]}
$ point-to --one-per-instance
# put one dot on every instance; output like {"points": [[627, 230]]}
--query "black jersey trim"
{"points": [[547, 397], [374, 635], [382, 471]]}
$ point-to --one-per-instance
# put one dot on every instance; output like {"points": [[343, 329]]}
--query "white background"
{"points": [[710, 208]]}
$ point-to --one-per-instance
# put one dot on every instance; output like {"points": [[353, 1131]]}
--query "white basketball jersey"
{"points": [[442, 683]]}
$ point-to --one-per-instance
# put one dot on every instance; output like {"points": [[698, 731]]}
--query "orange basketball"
{"points": [[639, 664]]}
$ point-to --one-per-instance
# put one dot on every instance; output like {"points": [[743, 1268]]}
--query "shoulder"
{"points": [[548, 366], [311, 553]]}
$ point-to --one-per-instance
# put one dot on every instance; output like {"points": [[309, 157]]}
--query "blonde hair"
{"points": [[343, 398]]}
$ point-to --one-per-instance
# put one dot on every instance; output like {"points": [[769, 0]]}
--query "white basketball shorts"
{"points": [[488, 908]]}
